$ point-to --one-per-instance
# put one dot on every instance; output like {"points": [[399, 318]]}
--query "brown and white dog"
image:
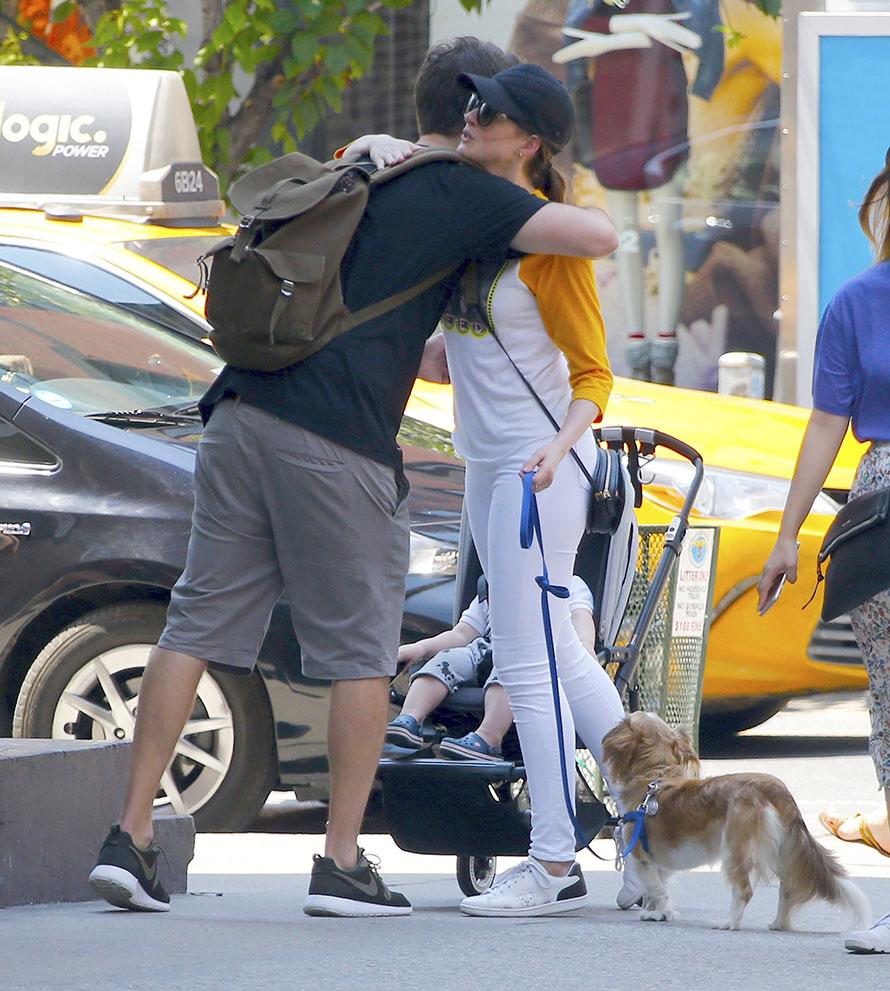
{"points": [[748, 822]]}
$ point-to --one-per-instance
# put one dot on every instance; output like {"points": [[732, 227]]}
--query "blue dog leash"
{"points": [[529, 532]]}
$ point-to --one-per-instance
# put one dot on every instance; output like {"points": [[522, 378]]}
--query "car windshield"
{"points": [[179, 254], [82, 354]]}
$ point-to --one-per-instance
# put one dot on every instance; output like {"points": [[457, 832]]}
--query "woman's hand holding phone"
{"points": [[780, 565]]}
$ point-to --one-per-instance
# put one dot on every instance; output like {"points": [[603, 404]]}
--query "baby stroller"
{"points": [[478, 811]]}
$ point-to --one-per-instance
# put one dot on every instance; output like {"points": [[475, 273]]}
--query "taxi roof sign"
{"points": [[116, 142]]}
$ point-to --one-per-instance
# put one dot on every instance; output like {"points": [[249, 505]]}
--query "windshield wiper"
{"points": [[143, 418], [186, 409]]}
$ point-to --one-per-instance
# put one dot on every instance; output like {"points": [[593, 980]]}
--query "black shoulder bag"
{"points": [[858, 544]]}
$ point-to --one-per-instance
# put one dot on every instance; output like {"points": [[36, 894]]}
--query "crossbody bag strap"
{"points": [[471, 293]]}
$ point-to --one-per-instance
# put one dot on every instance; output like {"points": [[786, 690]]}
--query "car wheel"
{"points": [[724, 723], [84, 685]]}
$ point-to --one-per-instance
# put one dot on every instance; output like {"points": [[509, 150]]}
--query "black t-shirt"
{"points": [[354, 390]]}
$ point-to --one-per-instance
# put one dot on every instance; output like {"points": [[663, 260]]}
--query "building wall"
{"points": [[448, 19]]}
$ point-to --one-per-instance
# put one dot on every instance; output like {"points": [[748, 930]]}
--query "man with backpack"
{"points": [[299, 489]]}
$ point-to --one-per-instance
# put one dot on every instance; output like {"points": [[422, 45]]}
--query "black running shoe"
{"points": [[126, 875], [358, 892]]}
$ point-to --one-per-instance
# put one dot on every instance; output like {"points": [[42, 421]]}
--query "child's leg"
{"points": [[442, 675], [425, 693], [498, 716]]}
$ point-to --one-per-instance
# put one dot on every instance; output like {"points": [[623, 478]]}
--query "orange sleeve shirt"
{"points": [[565, 291]]}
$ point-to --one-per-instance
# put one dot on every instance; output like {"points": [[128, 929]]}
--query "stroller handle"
{"points": [[644, 441], [648, 437]]}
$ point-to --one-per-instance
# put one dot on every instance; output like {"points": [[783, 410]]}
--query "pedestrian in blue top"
{"points": [[851, 382]]}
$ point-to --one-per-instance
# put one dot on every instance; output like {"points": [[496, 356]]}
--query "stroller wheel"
{"points": [[475, 875]]}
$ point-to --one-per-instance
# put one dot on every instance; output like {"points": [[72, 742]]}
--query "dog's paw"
{"points": [[779, 926], [658, 915], [727, 926]]}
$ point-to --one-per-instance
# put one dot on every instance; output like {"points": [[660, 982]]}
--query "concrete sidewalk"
{"points": [[242, 928], [246, 931]]}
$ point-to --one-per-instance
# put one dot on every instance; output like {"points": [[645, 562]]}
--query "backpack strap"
{"points": [[421, 157], [383, 306], [378, 178]]}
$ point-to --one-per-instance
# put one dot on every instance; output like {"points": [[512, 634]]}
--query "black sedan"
{"points": [[98, 429]]}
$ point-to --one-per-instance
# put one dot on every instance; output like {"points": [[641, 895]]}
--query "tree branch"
{"points": [[257, 108], [92, 10]]}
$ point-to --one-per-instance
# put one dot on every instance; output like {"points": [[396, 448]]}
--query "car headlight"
{"points": [[724, 494], [431, 557]]}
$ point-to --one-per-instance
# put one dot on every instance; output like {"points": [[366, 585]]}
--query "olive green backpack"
{"points": [[273, 290]]}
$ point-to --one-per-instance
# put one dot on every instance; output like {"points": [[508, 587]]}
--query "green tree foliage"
{"points": [[11, 50], [261, 64]]}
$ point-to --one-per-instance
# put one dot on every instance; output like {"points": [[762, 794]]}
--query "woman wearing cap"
{"points": [[546, 313]]}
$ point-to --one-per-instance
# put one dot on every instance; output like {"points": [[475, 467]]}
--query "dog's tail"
{"points": [[810, 871]]}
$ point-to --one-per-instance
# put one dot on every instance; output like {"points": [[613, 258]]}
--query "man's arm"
{"points": [[559, 229]]}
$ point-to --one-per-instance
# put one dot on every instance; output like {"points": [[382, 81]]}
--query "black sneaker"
{"points": [[358, 892], [126, 875]]}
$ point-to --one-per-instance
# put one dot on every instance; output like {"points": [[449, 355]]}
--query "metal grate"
{"points": [[671, 667], [834, 643]]}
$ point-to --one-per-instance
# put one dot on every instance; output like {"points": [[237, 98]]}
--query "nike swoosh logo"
{"points": [[371, 887], [150, 870]]}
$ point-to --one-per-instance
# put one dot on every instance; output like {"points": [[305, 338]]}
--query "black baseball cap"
{"points": [[529, 95]]}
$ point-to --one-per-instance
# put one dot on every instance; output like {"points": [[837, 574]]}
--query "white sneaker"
{"points": [[874, 940], [528, 889]]}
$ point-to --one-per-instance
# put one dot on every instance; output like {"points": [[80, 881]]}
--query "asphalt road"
{"points": [[241, 927]]}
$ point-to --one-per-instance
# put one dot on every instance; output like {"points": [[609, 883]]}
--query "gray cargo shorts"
{"points": [[458, 666], [281, 510]]}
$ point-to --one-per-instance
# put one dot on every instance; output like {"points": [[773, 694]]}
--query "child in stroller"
{"points": [[462, 656]]}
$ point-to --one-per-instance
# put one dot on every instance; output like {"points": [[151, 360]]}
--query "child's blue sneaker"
{"points": [[404, 731], [469, 747]]}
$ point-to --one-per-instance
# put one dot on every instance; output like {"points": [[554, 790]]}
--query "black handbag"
{"points": [[858, 544]]}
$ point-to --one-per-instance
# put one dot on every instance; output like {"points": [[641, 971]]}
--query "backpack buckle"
{"points": [[287, 287], [242, 238]]}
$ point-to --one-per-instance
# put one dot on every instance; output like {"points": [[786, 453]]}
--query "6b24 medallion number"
{"points": [[188, 181]]}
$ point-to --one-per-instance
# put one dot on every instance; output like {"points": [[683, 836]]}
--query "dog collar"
{"points": [[648, 807]]}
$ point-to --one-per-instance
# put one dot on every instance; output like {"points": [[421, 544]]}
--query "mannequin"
{"points": [[634, 100]]}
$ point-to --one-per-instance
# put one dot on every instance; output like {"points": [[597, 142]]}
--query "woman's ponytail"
{"points": [[874, 214], [545, 177]]}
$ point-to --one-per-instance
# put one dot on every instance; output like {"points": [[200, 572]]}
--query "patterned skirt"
{"points": [[871, 625]]}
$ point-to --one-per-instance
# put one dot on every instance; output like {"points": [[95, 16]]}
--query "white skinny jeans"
{"points": [[588, 698]]}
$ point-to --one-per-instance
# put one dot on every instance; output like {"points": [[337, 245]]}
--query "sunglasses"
{"points": [[485, 112]]}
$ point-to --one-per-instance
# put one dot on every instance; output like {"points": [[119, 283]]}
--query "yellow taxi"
{"points": [[103, 189], [749, 448]]}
